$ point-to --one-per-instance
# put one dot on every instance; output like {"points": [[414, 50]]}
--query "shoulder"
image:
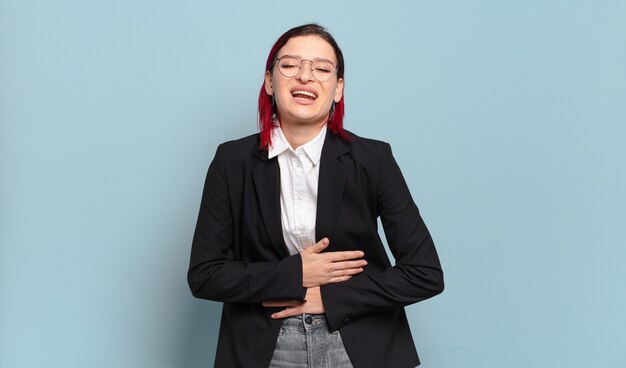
{"points": [[367, 147], [238, 150], [236, 153], [239, 146]]}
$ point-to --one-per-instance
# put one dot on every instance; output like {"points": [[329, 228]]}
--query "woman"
{"points": [[287, 231]]}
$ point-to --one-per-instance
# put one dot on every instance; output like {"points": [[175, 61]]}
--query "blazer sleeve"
{"points": [[214, 273], [417, 274]]}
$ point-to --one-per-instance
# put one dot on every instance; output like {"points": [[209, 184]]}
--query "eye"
{"points": [[289, 63], [323, 70], [323, 67]]}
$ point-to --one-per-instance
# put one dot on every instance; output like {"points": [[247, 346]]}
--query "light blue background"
{"points": [[507, 118]]}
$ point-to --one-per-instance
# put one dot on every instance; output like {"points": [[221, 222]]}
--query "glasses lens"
{"points": [[323, 70], [289, 66]]}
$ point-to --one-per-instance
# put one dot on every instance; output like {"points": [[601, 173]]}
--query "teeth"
{"points": [[306, 93]]}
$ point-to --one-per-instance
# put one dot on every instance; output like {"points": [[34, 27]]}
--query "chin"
{"points": [[306, 118]]}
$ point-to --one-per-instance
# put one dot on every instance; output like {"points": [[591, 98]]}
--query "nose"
{"points": [[305, 73]]}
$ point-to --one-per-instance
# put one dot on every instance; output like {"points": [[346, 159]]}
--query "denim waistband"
{"points": [[306, 321]]}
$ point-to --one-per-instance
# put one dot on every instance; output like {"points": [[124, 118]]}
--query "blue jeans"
{"points": [[305, 341]]}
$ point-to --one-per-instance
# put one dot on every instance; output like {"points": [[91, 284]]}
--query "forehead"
{"points": [[308, 47]]}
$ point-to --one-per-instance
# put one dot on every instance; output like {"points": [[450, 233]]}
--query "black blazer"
{"points": [[239, 256]]}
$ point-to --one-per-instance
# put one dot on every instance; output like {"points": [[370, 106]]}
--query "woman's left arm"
{"points": [[417, 274]]}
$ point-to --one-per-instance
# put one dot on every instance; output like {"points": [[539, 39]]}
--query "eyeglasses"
{"points": [[321, 69]]}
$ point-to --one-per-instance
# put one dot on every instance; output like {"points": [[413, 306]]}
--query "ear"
{"points": [[268, 83], [339, 90]]}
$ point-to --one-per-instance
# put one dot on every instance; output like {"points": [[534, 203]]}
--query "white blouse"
{"points": [[299, 175]]}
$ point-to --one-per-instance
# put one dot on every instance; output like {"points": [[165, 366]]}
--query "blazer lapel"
{"points": [[331, 183], [266, 179]]}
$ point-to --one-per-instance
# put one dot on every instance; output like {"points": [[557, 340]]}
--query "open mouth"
{"points": [[305, 95]]}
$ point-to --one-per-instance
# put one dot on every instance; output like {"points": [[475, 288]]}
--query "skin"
{"points": [[301, 120], [319, 269]]}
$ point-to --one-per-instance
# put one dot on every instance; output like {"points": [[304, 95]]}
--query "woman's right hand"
{"points": [[323, 268]]}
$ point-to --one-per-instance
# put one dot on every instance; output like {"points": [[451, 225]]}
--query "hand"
{"points": [[312, 304], [323, 268]]}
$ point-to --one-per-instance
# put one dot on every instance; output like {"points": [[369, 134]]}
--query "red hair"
{"points": [[267, 110]]}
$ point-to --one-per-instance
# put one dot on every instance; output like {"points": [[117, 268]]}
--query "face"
{"points": [[303, 99]]}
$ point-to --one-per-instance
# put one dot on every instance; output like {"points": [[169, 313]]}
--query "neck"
{"points": [[299, 134]]}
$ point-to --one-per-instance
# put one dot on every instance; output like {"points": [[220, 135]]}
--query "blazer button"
{"points": [[346, 320]]}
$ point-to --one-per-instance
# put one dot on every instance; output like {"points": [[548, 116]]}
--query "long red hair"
{"points": [[267, 110]]}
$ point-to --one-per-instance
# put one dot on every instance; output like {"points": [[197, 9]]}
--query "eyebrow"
{"points": [[300, 57]]}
